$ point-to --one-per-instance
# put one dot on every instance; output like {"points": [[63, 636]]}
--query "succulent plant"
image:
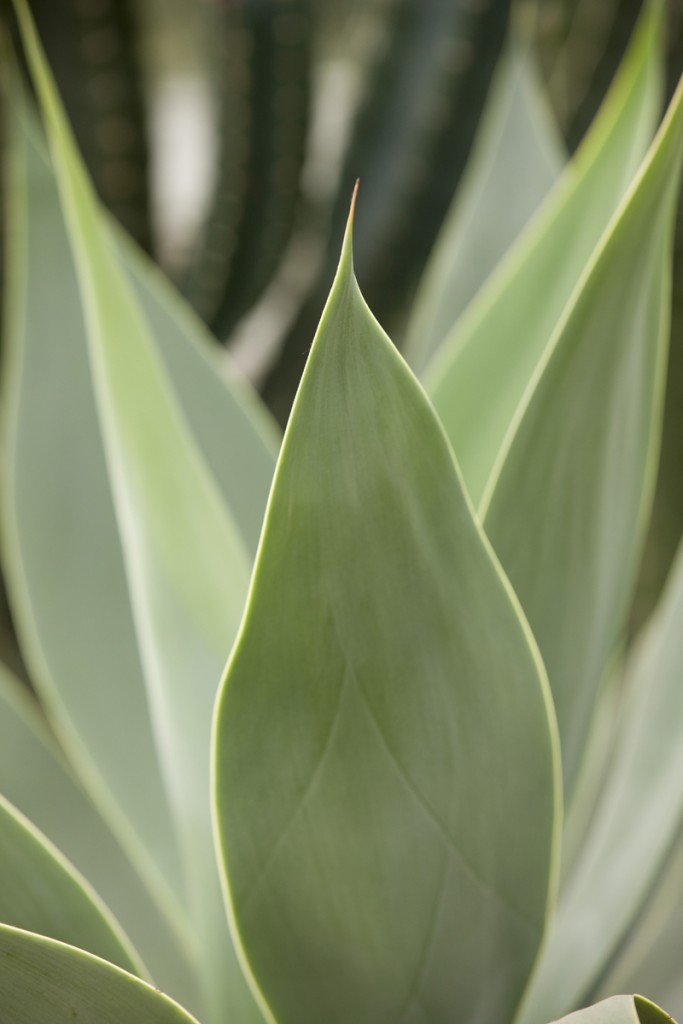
{"points": [[434, 782]]}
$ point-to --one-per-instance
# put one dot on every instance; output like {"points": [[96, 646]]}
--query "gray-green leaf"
{"points": [[567, 510], [185, 561], [517, 158], [633, 828], [386, 712], [41, 892], [59, 525], [36, 779], [48, 982], [484, 367]]}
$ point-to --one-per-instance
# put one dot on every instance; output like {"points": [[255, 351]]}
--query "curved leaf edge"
{"points": [[618, 1009], [88, 961], [135, 962], [648, 31], [649, 1013], [202, 340], [343, 275], [648, 166], [198, 335], [516, 61], [66, 737]]}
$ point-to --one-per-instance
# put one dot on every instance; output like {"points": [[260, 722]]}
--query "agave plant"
{"points": [[434, 783]]}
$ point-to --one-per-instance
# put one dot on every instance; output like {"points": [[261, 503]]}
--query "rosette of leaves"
{"points": [[410, 798]]}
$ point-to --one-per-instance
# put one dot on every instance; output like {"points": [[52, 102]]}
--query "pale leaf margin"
{"points": [[67, 886], [346, 262], [54, 983]]}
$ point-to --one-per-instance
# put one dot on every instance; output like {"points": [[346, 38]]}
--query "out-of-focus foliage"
{"points": [[436, 782]]}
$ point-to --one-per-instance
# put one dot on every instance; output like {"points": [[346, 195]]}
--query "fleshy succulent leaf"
{"points": [[48, 981], [620, 863], [483, 368], [380, 708], [619, 1010], [59, 524], [47, 895], [517, 158], [36, 779], [186, 566], [568, 508]]}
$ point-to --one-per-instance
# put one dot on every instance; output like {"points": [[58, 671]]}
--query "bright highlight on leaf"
{"points": [[386, 711]]}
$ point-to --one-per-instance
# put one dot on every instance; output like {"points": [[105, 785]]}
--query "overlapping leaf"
{"points": [[651, 959], [232, 428], [634, 826], [59, 526], [43, 893], [185, 562], [483, 369], [47, 981], [567, 509], [619, 1010], [34, 777], [517, 158], [385, 711]]}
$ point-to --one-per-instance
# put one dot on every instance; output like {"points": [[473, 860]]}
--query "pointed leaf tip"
{"points": [[354, 196], [377, 682], [346, 258]]}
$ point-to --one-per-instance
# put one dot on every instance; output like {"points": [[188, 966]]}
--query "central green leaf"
{"points": [[386, 767]]}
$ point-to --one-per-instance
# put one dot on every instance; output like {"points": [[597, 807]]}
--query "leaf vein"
{"points": [[250, 893], [530, 926]]}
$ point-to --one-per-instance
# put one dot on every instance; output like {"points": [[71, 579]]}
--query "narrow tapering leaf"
{"points": [[237, 437], [651, 960], [517, 158], [36, 779], [484, 367], [186, 566], [59, 524], [634, 826], [567, 511], [386, 712]]}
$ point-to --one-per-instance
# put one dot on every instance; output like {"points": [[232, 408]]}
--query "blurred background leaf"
{"points": [[225, 137], [50, 897]]}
